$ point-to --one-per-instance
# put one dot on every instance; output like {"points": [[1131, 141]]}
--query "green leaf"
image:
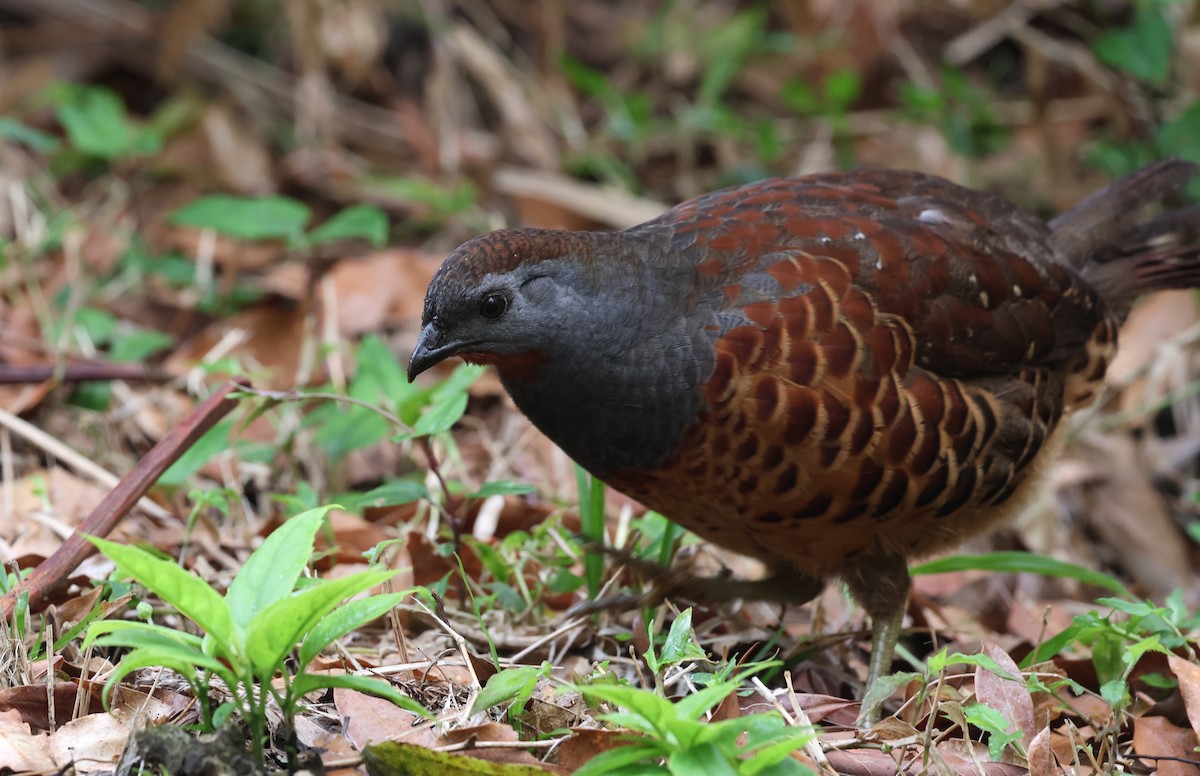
{"points": [[510, 684], [271, 571], [95, 396], [390, 493], [441, 416], [995, 725], [503, 488], [1181, 135], [246, 218], [885, 687], [842, 88], [942, 660], [691, 706], [653, 714], [1144, 49], [215, 440], [306, 683], [147, 658], [131, 630], [706, 759], [679, 645], [365, 221], [276, 631], [162, 649], [34, 139], [188, 593], [138, 345], [1021, 562], [621, 759], [344, 619], [98, 325], [95, 122]]}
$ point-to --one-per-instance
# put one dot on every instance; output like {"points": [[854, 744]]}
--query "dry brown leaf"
{"points": [[586, 743], [1010, 697], [1156, 736], [1153, 321], [370, 720], [240, 160], [274, 341], [1188, 674], [21, 749], [30, 702], [385, 289], [186, 23], [352, 535], [91, 743], [1041, 756]]}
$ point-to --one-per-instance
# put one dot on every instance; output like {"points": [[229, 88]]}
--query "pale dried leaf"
{"points": [[1010, 697]]}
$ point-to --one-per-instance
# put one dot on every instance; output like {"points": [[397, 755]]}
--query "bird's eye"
{"points": [[493, 306]]}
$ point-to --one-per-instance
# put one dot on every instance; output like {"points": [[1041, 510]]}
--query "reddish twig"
{"points": [[11, 374], [51, 572]]}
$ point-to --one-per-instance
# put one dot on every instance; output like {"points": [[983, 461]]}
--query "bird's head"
{"points": [[507, 298]]}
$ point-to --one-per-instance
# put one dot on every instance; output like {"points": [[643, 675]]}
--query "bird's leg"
{"points": [[880, 585]]}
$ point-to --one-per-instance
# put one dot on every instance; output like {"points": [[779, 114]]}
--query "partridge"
{"points": [[833, 374]]}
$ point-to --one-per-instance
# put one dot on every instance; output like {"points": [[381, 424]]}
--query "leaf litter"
{"points": [[467, 120]]}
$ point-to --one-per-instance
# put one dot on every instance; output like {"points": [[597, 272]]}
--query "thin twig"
{"points": [[128, 491]]}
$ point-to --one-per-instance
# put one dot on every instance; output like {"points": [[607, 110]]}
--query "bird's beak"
{"points": [[431, 350]]}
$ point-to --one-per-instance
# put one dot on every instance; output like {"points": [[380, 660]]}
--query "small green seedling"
{"points": [[250, 632], [681, 735]]}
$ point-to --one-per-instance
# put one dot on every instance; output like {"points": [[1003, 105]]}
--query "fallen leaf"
{"points": [[1188, 674], [1010, 697], [370, 720], [21, 749], [1174, 745]]}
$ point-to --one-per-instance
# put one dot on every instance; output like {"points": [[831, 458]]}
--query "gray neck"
{"points": [[626, 383]]}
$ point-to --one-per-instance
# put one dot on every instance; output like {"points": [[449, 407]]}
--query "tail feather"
{"points": [[1112, 214]]}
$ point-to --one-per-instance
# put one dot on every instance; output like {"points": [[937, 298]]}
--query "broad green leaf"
{"points": [[625, 760], [693, 705], [149, 658], [1144, 49], [188, 593], [1022, 562], [129, 629], [705, 759], [138, 345], [345, 619], [885, 687], [273, 633], [1053, 645], [306, 683], [271, 571], [163, 650], [943, 660], [679, 645], [246, 218], [96, 122], [441, 416], [508, 685], [365, 221], [641, 710], [215, 440]]}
